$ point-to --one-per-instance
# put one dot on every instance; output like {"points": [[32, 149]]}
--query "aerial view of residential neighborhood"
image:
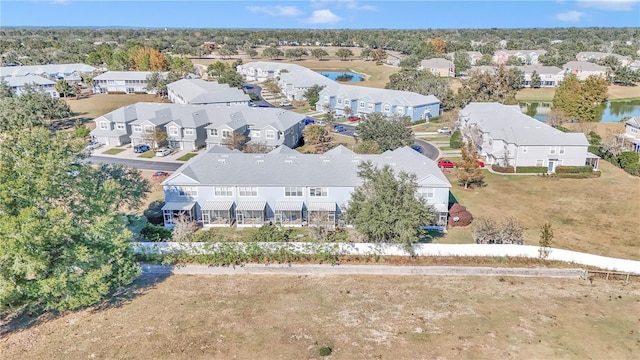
{"points": [[327, 179]]}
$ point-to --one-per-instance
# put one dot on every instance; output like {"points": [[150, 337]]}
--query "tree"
{"points": [[252, 53], [461, 61], [344, 53], [515, 61], [536, 81], [439, 45], [546, 236], [295, 53], [64, 88], [156, 83], [217, 68], [378, 54], [580, 100], [319, 53], [365, 53], [235, 142], [389, 132], [272, 53], [256, 147], [184, 228], [367, 147], [271, 86], [486, 87], [385, 208], [486, 231], [65, 243], [468, 169], [312, 94], [314, 134], [32, 107], [231, 78], [421, 82], [5, 90]]}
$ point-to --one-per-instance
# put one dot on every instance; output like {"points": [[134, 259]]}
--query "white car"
{"points": [[285, 103], [444, 130], [163, 152]]}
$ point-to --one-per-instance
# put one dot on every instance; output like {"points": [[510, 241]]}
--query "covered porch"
{"points": [[217, 213], [251, 213], [289, 213], [592, 160], [322, 213], [173, 210]]}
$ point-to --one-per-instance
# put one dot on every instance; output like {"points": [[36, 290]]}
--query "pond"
{"points": [[612, 111], [343, 76]]}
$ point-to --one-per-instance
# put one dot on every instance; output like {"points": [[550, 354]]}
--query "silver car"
{"points": [[163, 152]]}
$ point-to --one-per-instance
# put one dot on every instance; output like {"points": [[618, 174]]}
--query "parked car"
{"points": [[445, 130], [163, 152], [353, 118], [417, 148], [309, 121], [481, 163], [93, 145], [285, 103], [339, 128], [159, 174], [338, 116], [446, 164], [139, 149], [321, 123]]}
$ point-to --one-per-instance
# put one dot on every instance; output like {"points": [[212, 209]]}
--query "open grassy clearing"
{"points": [[591, 215], [359, 317], [616, 92]]}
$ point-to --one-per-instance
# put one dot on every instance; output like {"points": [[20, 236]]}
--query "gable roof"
{"points": [[508, 123], [48, 69], [198, 91], [633, 122], [128, 75], [584, 66], [20, 81], [334, 168], [438, 63]]}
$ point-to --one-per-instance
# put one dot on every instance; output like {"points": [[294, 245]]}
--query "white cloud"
{"points": [[613, 5], [288, 11], [352, 5], [324, 16], [570, 16]]}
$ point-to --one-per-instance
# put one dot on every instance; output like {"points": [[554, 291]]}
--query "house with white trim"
{"points": [[362, 100], [505, 133], [201, 92], [18, 84], [68, 72], [123, 82], [583, 69], [528, 57], [594, 56], [550, 76], [438, 66], [294, 84], [223, 188], [263, 70], [631, 134]]}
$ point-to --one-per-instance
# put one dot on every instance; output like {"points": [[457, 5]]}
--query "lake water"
{"points": [[610, 112], [342, 76]]}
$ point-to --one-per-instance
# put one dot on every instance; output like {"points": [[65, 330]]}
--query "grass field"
{"points": [[592, 215], [113, 151], [95, 105], [616, 92], [187, 156], [359, 317]]}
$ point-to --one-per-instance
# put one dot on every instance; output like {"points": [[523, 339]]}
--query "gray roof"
{"points": [[540, 69], [271, 66], [127, 75], [336, 168], [438, 63], [19, 81], [634, 122], [49, 69], [198, 91], [524, 52], [306, 79], [511, 125], [398, 97], [585, 66]]}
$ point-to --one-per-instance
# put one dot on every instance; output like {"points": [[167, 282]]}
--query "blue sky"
{"points": [[323, 14]]}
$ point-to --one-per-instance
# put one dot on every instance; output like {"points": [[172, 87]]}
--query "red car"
{"points": [[481, 163], [353, 118], [447, 164], [159, 174]]}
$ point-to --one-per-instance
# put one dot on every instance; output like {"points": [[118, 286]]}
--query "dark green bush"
{"points": [[152, 232], [574, 169], [531, 169], [501, 169], [455, 142], [154, 212], [325, 351], [271, 233]]}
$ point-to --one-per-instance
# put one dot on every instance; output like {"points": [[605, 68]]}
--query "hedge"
{"points": [[502, 169], [574, 169], [531, 169], [455, 142]]}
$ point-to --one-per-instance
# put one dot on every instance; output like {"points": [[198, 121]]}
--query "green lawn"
{"points": [[147, 155], [113, 151], [186, 157]]}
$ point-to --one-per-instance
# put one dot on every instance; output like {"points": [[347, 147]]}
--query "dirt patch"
{"points": [[359, 317]]}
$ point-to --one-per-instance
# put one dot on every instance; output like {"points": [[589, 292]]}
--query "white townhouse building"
{"points": [[550, 76], [69, 72], [201, 92], [191, 127], [438, 66], [294, 84], [263, 70], [127, 82], [364, 100], [507, 132], [528, 57], [597, 56], [583, 69], [631, 134], [18, 83], [221, 187]]}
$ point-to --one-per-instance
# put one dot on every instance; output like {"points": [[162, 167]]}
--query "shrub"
{"points": [[207, 236], [153, 213], [455, 142], [460, 212], [418, 122], [502, 169], [325, 351], [531, 169], [271, 233], [152, 232], [486, 231], [574, 169]]}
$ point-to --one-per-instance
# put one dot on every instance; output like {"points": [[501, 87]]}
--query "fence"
{"points": [[469, 250]]}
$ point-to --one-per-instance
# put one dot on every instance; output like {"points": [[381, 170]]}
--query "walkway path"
{"points": [[314, 269]]}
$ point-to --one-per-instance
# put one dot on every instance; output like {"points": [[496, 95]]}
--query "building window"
{"points": [[539, 162], [552, 150], [247, 191], [270, 134], [387, 108], [213, 132], [255, 133], [148, 129], [293, 191], [561, 151], [223, 191], [400, 110], [524, 149], [426, 193], [226, 133], [187, 191], [119, 126], [104, 125], [137, 128], [362, 104], [188, 132], [369, 106], [339, 101], [173, 131], [318, 192]]}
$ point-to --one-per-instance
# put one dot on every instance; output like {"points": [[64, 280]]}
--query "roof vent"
{"points": [[288, 161], [326, 161], [222, 161]]}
